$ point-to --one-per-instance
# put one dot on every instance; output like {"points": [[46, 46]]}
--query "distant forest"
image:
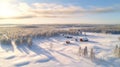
{"points": [[98, 28]]}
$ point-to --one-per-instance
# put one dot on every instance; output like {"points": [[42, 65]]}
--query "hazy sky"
{"points": [[59, 11]]}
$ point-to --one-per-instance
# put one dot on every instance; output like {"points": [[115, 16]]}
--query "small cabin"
{"points": [[67, 42], [68, 36], [83, 39]]}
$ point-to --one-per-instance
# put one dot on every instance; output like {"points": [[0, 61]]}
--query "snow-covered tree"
{"points": [[80, 51], [29, 41], [119, 38], [85, 53], [51, 46], [117, 51], [92, 54]]}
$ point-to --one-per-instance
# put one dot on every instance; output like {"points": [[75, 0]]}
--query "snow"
{"points": [[54, 52]]}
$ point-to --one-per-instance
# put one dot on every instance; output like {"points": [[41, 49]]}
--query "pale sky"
{"points": [[59, 11]]}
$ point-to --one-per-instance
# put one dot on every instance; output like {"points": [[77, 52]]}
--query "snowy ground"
{"points": [[40, 53]]}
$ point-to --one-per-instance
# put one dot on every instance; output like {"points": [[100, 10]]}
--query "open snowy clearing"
{"points": [[54, 52]]}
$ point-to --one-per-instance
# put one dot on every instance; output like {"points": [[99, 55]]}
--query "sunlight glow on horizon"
{"points": [[6, 11]]}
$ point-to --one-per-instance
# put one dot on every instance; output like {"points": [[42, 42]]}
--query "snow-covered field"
{"points": [[54, 52]]}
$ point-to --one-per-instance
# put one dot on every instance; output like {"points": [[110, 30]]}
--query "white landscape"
{"points": [[59, 33], [54, 52]]}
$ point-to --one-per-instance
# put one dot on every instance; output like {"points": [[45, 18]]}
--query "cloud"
{"points": [[51, 10], [18, 17], [55, 9], [8, 0], [45, 8], [104, 10]]}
